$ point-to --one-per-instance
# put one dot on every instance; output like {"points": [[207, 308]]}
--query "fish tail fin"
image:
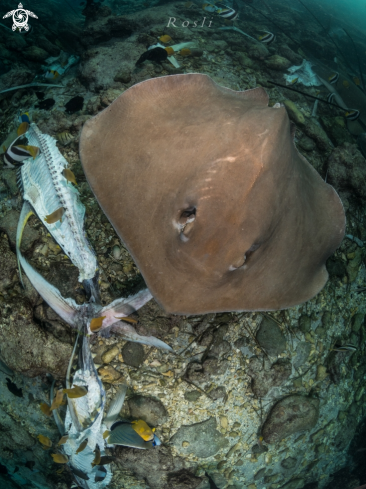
{"points": [[116, 406], [25, 214]]}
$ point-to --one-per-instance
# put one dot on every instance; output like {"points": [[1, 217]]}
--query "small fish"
{"points": [[59, 458], [100, 474], [356, 81], [156, 54], [24, 117], [79, 473], [70, 177], [330, 97], [333, 78], [352, 114], [45, 408], [76, 392], [209, 7], [82, 446], [165, 39], [16, 154], [51, 75], [188, 5], [45, 441], [23, 128], [143, 430], [225, 12], [169, 50], [347, 347], [96, 324], [345, 84], [97, 457], [106, 434], [64, 138], [63, 440], [55, 216], [57, 401], [185, 52], [128, 320], [294, 80], [267, 38], [17, 391]]}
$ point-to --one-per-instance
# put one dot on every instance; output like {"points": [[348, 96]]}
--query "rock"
{"points": [[50, 48], [14, 77], [8, 266], [270, 337], [16, 43], [353, 265], [288, 53], [304, 323], [155, 467], [109, 374], [201, 374], [9, 224], [336, 129], [123, 76], [336, 267], [306, 144], [9, 177], [41, 353], [290, 415], [192, 396], [183, 479], [302, 353], [66, 279], [244, 345], [289, 463], [258, 51], [357, 321], [110, 354], [150, 410], [263, 379], [133, 354], [34, 53], [317, 133], [294, 484], [294, 113], [277, 62], [321, 372], [347, 170], [204, 439], [243, 60]]}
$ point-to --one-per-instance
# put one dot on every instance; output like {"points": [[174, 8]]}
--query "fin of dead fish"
{"points": [[66, 308], [116, 406], [25, 214]]}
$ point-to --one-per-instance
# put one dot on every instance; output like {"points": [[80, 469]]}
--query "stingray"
{"points": [[208, 192]]}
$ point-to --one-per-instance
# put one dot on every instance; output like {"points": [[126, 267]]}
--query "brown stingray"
{"points": [[207, 190]]}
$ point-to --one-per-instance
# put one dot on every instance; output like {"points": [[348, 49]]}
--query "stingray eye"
{"points": [[244, 259], [186, 222]]}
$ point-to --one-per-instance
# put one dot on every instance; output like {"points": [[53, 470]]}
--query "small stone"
{"points": [[224, 422], [109, 374], [192, 396], [133, 354], [205, 441], [270, 337], [109, 355], [116, 252], [277, 62], [123, 76], [35, 53], [293, 112], [149, 410], [185, 444], [304, 323]]}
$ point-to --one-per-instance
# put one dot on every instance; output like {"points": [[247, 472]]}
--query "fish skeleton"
{"points": [[45, 190]]}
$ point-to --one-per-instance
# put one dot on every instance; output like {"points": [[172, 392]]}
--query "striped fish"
{"points": [[64, 138], [352, 114], [267, 38], [226, 12], [16, 153], [333, 78], [330, 98]]}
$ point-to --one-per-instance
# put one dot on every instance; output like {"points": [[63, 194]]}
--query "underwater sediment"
{"points": [[248, 399]]}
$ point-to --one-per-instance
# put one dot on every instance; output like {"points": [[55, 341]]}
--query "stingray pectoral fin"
{"points": [[66, 308], [125, 435], [116, 406], [25, 214]]}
